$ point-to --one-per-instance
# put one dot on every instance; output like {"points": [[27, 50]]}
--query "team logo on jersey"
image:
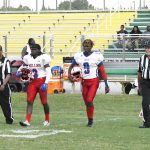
{"points": [[34, 65]]}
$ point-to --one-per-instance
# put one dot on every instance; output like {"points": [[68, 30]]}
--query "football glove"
{"points": [[18, 74], [44, 87]]}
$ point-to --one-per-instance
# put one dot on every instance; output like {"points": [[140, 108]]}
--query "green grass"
{"points": [[115, 127]]}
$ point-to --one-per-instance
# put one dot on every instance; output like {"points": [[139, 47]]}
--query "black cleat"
{"points": [[9, 121], [90, 124], [144, 126]]}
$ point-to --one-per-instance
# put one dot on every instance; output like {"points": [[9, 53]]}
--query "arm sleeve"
{"points": [[102, 72]]}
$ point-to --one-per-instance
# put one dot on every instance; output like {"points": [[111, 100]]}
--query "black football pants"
{"points": [[5, 103], [146, 100]]}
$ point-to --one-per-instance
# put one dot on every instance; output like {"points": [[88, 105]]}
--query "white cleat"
{"points": [[46, 123], [24, 123]]}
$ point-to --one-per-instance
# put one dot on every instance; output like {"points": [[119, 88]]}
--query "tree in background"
{"points": [[20, 8], [76, 5], [64, 5]]}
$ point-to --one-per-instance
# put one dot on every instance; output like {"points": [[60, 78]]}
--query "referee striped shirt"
{"points": [[4, 69], [144, 67]]}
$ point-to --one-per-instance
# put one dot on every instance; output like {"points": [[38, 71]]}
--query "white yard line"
{"points": [[35, 133]]}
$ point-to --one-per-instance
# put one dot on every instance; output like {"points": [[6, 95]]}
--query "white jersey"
{"points": [[89, 63], [37, 65]]}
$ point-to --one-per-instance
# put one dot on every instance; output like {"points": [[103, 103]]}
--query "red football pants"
{"points": [[89, 89], [34, 88]]}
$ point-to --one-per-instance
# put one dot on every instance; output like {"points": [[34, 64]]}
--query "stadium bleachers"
{"points": [[119, 58], [141, 20], [65, 30]]}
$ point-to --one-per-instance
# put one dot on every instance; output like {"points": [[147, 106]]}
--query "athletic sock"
{"points": [[28, 117], [90, 112], [47, 117]]}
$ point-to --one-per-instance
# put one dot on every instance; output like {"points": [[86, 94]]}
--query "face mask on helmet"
{"points": [[26, 74], [76, 74]]}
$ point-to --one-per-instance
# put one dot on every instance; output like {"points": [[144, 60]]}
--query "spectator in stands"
{"points": [[134, 39], [122, 30], [26, 50], [146, 38], [120, 37]]}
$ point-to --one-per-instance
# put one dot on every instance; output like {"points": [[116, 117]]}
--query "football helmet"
{"points": [[26, 74], [76, 74]]}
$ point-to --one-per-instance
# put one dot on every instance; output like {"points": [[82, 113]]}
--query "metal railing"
{"points": [[124, 48]]}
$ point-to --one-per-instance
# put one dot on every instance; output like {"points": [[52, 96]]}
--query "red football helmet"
{"points": [[76, 74], [26, 74]]}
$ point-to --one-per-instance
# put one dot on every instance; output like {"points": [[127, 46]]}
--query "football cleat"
{"points": [[24, 123], [144, 125], [46, 123], [90, 123]]}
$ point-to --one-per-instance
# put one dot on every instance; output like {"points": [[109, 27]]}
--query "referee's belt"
{"points": [[146, 79]]}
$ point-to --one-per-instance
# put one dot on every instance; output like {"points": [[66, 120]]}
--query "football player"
{"points": [[38, 70], [91, 64]]}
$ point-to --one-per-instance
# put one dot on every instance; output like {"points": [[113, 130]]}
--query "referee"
{"points": [[144, 85], [5, 93]]}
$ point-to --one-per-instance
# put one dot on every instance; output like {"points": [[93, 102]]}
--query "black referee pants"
{"points": [[5, 103], [146, 101]]}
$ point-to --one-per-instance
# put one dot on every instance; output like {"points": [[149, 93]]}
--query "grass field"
{"points": [[115, 127]]}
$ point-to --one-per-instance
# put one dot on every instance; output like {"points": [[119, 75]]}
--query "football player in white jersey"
{"points": [[38, 64], [91, 64]]}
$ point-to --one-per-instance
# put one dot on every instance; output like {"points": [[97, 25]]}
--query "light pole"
{"points": [[70, 5], [8, 3], [56, 4], [140, 4], [134, 5], [4, 3], [144, 3], [36, 5], [104, 4], [43, 8]]}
